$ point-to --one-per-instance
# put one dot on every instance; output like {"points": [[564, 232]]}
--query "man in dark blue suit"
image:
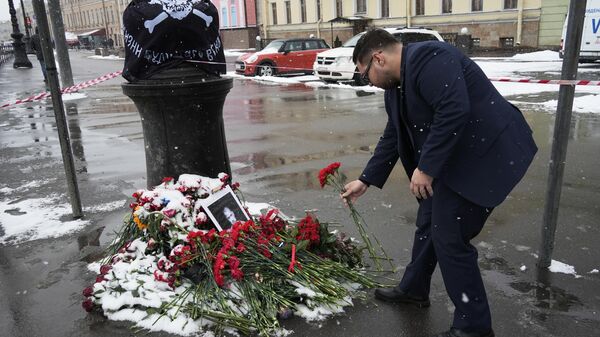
{"points": [[464, 148]]}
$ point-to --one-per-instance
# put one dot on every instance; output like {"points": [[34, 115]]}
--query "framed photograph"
{"points": [[224, 209]]}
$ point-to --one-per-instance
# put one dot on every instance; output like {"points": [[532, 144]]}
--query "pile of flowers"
{"points": [[170, 269]]}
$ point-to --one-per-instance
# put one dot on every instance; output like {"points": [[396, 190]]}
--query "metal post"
{"points": [[27, 38], [25, 20], [561, 130], [61, 124], [104, 18], [21, 60], [60, 41]]}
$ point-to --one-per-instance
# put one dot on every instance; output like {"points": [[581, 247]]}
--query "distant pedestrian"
{"points": [[37, 46]]}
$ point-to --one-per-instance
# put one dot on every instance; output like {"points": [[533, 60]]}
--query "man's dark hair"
{"points": [[373, 39]]}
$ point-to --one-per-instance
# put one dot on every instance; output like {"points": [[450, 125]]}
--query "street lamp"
{"points": [[21, 60]]}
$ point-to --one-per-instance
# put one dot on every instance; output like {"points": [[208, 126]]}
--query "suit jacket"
{"points": [[447, 119]]}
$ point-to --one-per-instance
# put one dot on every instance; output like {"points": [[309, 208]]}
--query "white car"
{"points": [[336, 64]]}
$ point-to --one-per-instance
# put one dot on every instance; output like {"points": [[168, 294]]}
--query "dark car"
{"points": [[281, 56]]}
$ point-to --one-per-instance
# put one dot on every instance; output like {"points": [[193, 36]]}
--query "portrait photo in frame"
{"points": [[224, 209]]}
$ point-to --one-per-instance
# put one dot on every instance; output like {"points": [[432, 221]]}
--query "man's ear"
{"points": [[379, 58]]}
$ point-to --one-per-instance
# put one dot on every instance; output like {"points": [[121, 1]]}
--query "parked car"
{"points": [[336, 64], [281, 56]]}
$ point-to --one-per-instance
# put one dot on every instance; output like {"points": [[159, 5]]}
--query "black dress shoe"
{"points": [[453, 332], [398, 296]]}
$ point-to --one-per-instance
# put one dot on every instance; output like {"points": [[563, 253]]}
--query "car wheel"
{"points": [[266, 69]]}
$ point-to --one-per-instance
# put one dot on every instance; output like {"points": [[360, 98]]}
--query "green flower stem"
{"points": [[337, 182]]}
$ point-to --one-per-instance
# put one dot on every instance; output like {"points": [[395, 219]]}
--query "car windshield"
{"points": [[352, 41], [273, 46]]}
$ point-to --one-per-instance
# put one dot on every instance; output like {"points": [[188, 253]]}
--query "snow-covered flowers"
{"points": [[241, 277]]}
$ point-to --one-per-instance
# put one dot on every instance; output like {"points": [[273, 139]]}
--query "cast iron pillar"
{"points": [[21, 60], [182, 120]]}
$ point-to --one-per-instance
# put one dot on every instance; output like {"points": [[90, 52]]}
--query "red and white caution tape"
{"points": [[67, 90], [559, 82]]}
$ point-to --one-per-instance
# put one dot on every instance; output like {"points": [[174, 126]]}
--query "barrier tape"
{"points": [[559, 82], [109, 76], [67, 90]]}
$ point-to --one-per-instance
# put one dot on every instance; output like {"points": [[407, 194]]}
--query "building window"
{"points": [[446, 6], [339, 8], [302, 10], [361, 6], [385, 8], [507, 42], [224, 17], [319, 10], [419, 7], [288, 12], [233, 17], [274, 10], [510, 4], [476, 5]]}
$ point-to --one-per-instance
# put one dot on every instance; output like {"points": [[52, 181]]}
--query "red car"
{"points": [[281, 56]]}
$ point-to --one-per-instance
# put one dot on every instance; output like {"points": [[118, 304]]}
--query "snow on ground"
{"points": [[37, 218], [544, 55], [308, 80], [42, 218], [238, 52], [109, 57], [560, 267], [583, 104], [73, 96]]}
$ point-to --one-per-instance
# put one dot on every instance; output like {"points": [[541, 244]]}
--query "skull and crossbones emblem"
{"points": [[177, 9]]}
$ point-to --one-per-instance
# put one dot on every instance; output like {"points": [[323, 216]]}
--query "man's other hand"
{"points": [[420, 184], [354, 190]]}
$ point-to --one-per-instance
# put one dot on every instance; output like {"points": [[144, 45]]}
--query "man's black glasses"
{"points": [[364, 77]]}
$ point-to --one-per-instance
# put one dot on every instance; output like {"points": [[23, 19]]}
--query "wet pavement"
{"points": [[278, 137]]}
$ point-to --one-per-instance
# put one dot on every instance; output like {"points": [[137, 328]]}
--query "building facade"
{"points": [[554, 13], [491, 23], [5, 31], [237, 19], [88, 18]]}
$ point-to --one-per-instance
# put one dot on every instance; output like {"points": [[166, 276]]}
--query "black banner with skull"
{"points": [[161, 34]]}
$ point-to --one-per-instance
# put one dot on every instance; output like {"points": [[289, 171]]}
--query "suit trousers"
{"points": [[446, 223]]}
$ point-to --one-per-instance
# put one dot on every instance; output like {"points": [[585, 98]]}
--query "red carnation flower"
{"points": [[237, 274], [169, 212], [88, 291], [167, 179], [104, 269], [88, 305], [331, 169]]}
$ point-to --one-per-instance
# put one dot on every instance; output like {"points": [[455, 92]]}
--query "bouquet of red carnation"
{"points": [[331, 176]]}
